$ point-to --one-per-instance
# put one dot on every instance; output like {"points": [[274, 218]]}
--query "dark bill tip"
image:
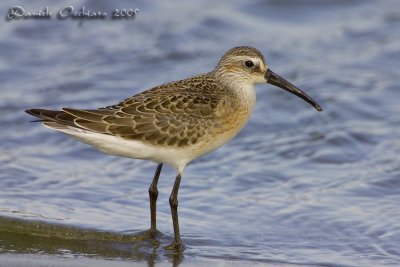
{"points": [[274, 79]]}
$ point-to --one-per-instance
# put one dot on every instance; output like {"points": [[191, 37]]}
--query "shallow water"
{"points": [[295, 187]]}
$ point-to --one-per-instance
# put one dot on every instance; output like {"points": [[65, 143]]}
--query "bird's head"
{"points": [[247, 65]]}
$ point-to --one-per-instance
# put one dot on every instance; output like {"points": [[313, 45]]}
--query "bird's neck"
{"points": [[239, 85], [243, 91], [246, 92]]}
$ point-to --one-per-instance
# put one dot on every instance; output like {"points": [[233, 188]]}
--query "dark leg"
{"points": [[153, 194], [173, 201]]}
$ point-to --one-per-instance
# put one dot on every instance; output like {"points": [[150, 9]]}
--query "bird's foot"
{"points": [[151, 234], [176, 246]]}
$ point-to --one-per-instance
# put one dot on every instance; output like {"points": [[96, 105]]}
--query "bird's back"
{"points": [[193, 112]]}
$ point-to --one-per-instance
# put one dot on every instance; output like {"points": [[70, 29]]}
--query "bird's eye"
{"points": [[249, 64]]}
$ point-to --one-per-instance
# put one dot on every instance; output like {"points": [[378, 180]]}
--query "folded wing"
{"points": [[167, 118]]}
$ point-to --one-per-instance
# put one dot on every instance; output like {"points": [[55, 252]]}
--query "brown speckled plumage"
{"points": [[178, 114]]}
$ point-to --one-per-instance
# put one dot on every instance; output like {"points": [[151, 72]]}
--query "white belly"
{"points": [[115, 145]]}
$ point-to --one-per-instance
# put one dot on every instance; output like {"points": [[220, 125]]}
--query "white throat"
{"points": [[245, 91]]}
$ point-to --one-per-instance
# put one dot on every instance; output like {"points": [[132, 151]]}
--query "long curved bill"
{"points": [[274, 79]]}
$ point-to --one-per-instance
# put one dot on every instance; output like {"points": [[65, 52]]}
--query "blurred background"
{"points": [[295, 187]]}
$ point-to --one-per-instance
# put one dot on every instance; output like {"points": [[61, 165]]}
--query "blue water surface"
{"points": [[295, 187]]}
